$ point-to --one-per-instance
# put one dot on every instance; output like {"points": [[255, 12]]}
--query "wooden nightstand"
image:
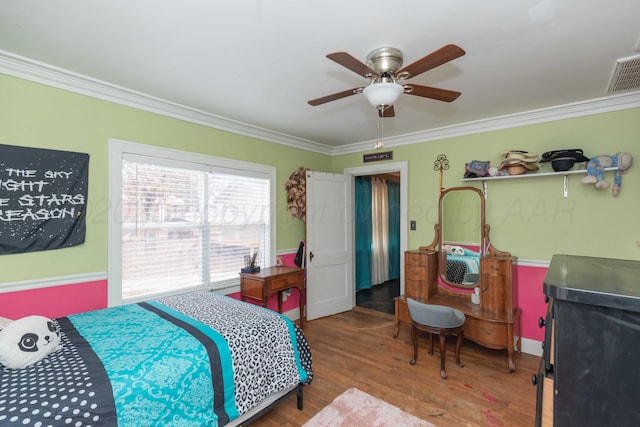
{"points": [[262, 284]]}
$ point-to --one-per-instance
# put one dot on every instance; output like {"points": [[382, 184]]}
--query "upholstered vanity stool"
{"points": [[436, 319]]}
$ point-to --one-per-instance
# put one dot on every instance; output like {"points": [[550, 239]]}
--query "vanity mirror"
{"points": [[462, 237], [462, 228]]}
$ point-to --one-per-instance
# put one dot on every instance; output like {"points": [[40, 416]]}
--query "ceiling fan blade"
{"points": [[441, 56], [348, 61], [335, 96], [432, 92], [386, 112]]}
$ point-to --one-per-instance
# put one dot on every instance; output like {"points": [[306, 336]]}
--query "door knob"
{"points": [[310, 256]]}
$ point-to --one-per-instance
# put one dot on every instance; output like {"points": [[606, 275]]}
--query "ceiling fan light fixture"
{"points": [[383, 93]]}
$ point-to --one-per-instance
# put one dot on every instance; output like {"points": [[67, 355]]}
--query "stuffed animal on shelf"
{"points": [[597, 164], [26, 341]]}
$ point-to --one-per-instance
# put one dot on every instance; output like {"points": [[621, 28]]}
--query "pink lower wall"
{"points": [[530, 298], [63, 300], [54, 301], [58, 301]]}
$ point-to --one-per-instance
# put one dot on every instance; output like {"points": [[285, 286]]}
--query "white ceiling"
{"points": [[257, 63]]}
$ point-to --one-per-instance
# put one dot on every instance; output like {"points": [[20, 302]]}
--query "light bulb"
{"points": [[383, 93]]}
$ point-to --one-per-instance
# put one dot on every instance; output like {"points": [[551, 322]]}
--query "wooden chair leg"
{"points": [[443, 351], [414, 340], [442, 337], [430, 343], [458, 345]]}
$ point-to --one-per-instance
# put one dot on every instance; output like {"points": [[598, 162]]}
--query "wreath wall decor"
{"points": [[296, 187]]}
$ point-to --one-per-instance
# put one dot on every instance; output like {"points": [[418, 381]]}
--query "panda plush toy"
{"points": [[28, 340]]}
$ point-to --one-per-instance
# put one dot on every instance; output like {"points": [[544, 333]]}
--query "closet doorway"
{"points": [[379, 234]]}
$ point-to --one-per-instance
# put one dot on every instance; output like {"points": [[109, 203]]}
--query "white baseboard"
{"points": [[48, 282], [532, 347], [292, 314]]}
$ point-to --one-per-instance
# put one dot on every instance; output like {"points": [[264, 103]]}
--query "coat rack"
{"points": [[441, 163]]}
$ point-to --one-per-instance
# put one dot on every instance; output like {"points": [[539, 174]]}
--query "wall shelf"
{"points": [[564, 174]]}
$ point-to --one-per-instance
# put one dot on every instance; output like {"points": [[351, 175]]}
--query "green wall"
{"points": [[36, 115], [530, 217]]}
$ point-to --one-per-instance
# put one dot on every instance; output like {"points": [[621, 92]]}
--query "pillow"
{"points": [[28, 340], [459, 250], [453, 250]]}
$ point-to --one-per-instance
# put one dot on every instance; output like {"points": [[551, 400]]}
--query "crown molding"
{"points": [[560, 112], [49, 75], [28, 69]]}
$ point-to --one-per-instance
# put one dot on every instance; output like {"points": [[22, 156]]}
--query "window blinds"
{"points": [[185, 225]]}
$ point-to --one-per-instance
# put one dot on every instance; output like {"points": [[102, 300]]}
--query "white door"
{"points": [[329, 255]]}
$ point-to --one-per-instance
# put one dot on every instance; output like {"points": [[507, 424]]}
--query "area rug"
{"points": [[356, 408]]}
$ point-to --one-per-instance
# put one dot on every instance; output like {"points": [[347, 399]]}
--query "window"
{"points": [[184, 221]]}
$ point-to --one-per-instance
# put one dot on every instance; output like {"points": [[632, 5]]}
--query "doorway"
{"points": [[377, 240], [380, 296]]}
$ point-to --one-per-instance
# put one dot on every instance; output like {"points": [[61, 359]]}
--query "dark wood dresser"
{"points": [[590, 370]]}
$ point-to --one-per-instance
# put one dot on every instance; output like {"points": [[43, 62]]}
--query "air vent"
{"points": [[626, 75]]}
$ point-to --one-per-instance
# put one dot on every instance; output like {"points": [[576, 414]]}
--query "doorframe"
{"points": [[403, 168]]}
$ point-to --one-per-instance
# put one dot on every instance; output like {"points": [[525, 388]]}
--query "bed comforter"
{"points": [[196, 359], [459, 265]]}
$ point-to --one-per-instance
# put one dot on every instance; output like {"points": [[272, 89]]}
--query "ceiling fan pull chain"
{"points": [[380, 143]]}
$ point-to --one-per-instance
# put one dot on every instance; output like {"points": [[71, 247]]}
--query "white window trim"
{"points": [[117, 150]]}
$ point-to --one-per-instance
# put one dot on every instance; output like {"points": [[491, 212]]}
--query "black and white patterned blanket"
{"points": [[194, 359]]}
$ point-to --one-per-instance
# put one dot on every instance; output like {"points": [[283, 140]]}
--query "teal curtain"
{"points": [[363, 232], [393, 189]]}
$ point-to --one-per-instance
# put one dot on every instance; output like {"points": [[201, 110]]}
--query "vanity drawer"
{"points": [[496, 290], [415, 258], [414, 273], [489, 334], [415, 288]]}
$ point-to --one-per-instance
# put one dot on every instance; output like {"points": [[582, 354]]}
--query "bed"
{"points": [[195, 359], [461, 263]]}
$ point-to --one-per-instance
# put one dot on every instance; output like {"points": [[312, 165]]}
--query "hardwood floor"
{"points": [[357, 349]]}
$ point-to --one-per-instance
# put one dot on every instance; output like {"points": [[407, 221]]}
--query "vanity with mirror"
{"points": [[462, 269]]}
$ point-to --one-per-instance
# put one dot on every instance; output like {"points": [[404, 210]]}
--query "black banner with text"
{"points": [[43, 198]]}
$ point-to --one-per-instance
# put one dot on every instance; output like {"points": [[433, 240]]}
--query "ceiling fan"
{"points": [[383, 70]]}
